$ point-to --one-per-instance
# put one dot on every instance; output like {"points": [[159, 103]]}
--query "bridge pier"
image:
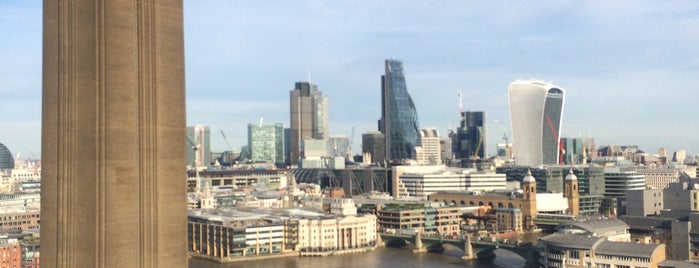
{"points": [[419, 247], [468, 249]]}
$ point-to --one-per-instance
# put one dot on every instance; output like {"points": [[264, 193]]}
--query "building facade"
{"points": [[660, 177], [470, 139], [308, 117], [422, 184], [266, 143], [10, 253], [536, 112], [618, 180], [198, 146], [429, 151], [422, 218], [399, 121], [324, 236], [373, 150], [572, 151], [572, 250]]}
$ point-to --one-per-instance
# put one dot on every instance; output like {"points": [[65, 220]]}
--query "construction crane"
{"points": [[226, 140]]}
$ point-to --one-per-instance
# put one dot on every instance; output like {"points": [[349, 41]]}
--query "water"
{"points": [[381, 257]]}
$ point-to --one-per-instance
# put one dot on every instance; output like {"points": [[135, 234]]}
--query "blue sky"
{"points": [[629, 67]]}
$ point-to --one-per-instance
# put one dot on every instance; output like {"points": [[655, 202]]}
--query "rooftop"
{"points": [[571, 241], [595, 225], [627, 249]]}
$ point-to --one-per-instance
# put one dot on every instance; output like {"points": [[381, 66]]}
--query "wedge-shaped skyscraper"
{"points": [[536, 110], [398, 122]]}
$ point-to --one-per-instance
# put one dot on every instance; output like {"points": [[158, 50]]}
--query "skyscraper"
{"points": [[429, 152], [536, 110], [6, 159], [266, 142], [471, 136], [113, 126], [373, 150], [309, 117], [198, 146], [399, 122]]}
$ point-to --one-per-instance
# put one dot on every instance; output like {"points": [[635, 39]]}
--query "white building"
{"points": [[320, 236], [337, 206], [421, 182], [551, 203], [429, 152], [536, 112], [618, 180]]}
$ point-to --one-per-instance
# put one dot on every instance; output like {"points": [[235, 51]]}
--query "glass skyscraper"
{"points": [[399, 122], [6, 159], [536, 110], [266, 143], [471, 136]]}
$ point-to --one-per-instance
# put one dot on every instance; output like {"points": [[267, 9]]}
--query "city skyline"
{"points": [[243, 57]]}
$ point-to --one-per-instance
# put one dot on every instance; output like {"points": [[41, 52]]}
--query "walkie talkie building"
{"points": [[536, 112]]}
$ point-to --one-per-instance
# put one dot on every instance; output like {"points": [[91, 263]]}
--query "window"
{"points": [[574, 254]]}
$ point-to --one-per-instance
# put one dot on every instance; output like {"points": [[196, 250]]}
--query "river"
{"points": [[381, 257]]}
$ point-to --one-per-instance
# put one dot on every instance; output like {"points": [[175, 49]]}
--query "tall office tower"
{"points": [[266, 142], [198, 146], [339, 146], [571, 152], [536, 110], [446, 149], [113, 126], [471, 135], [428, 151], [309, 117], [373, 150], [399, 123]]}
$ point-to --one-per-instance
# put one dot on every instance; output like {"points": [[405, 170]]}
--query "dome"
{"points": [[571, 176], [529, 177], [6, 159]]}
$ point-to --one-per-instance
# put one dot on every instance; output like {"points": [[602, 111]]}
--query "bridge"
{"points": [[478, 248]]}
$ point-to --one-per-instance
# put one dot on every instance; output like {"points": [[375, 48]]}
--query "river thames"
{"points": [[381, 257]]}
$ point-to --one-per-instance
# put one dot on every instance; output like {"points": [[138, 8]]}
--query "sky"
{"points": [[629, 68]]}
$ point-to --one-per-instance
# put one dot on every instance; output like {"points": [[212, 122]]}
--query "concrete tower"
{"points": [[529, 188], [308, 117], [113, 126], [571, 192]]}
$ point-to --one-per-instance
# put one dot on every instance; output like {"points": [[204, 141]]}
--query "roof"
{"points": [[571, 176], [529, 177], [676, 264], [595, 225], [647, 223], [627, 249], [571, 241]]}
